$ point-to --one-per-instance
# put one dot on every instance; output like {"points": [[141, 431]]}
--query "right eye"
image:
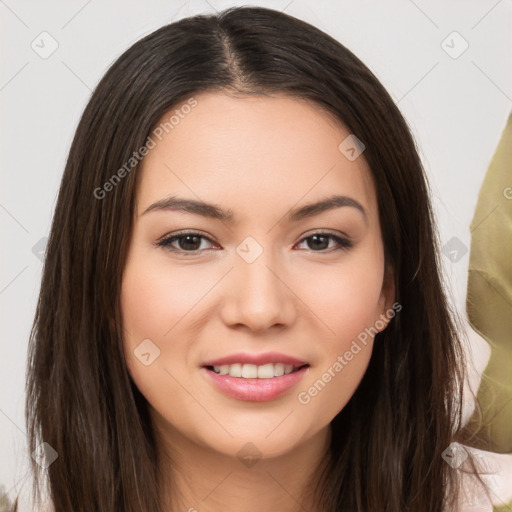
{"points": [[184, 243]]}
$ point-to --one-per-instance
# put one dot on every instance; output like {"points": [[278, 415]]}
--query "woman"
{"points": [[241, 305]]}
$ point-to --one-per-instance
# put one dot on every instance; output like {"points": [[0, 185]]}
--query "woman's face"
{"points": [[259, 281]]}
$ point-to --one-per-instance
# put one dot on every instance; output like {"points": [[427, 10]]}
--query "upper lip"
{"points": [[256, 359]]}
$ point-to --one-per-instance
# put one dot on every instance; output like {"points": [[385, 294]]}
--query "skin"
{"points": [[258, 157]]}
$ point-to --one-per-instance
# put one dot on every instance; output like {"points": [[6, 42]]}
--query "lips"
{"points": [[255, 377], [254, 390], [256, 359]]}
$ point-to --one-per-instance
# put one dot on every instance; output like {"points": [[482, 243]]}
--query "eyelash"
{"points": [[343, 243]]}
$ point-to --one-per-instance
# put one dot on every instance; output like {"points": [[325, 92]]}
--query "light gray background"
{"points": [[456, 107]]}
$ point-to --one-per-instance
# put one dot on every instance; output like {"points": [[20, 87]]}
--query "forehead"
{"points": [[253, 151]]}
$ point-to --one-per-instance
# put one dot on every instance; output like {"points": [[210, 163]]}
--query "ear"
{"points": [[387, 308]]}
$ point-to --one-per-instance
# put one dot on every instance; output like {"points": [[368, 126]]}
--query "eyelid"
{"points": [[184, 232], [326, 231], [165, 240], [343, 240]]}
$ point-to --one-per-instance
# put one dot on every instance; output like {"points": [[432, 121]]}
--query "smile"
{"points": [[255, 389], [252, 371]]}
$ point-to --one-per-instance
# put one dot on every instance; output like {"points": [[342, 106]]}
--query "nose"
{"points": [[258, 296]]}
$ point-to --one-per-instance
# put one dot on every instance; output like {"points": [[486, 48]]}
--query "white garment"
{"points": [[495, 469]]}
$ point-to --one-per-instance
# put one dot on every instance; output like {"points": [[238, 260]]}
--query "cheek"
{"points": [[347, 302], [152, 304], [154, 300], [331, 385], [142, 303], [346, 299], [157, 304]]}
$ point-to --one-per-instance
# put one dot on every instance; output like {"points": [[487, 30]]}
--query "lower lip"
{"points": [[255, 390]]}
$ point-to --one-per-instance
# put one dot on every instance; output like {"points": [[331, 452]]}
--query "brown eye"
{"points": [[319, 242], [184, 242]]}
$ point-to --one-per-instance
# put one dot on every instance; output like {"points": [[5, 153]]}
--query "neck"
{"points": [[198, 478]]}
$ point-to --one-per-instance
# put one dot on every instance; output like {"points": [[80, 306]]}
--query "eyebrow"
{"points": [[214, 212]]}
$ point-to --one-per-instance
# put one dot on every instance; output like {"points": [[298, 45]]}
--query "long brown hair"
{"points": [[388, 440]]}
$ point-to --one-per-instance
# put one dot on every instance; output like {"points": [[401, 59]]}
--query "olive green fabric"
{"points": [[489, 297], [503, 508]]}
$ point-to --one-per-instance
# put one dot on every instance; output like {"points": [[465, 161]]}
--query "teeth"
{"points": [[278, 369], [235, 370], [251, 371], [266, 371]]}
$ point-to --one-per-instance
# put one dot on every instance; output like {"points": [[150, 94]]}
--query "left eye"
{"points": [[321, 241], [191, 242]]}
